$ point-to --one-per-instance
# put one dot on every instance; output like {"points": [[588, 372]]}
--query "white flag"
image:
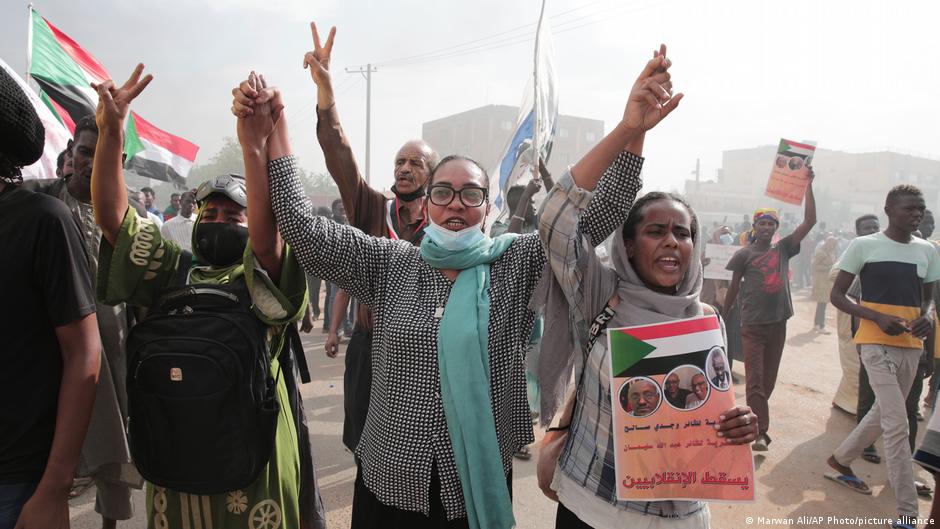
{"points": [[534, 124]]}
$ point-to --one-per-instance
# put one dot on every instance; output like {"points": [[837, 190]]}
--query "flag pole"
{"points": [[29, 41], [535, 87]]}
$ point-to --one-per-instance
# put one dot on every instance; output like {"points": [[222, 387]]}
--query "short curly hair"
{"points": [[901, 190]]}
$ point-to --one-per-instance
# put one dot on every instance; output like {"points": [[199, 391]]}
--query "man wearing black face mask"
{"points": [[369, 210], [139, 266]]}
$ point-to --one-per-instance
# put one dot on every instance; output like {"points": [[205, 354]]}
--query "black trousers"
{"points": [[357, 387], [565, 519], [370, 513]]}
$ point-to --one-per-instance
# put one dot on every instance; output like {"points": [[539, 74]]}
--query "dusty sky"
{"points": [[853, 75]]}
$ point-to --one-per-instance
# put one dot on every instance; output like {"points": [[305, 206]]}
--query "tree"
{"points": [[227, 160], [318, 183]]}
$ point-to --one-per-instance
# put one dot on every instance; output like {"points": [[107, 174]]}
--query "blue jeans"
{"points": [[347, 326], [12, 498]]}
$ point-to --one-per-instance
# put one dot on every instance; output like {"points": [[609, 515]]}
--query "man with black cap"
{"points": [[369, 210], [50, 350], [230, 247]]}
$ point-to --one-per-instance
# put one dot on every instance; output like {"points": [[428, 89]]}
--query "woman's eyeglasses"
{"points": [[471, 197]]}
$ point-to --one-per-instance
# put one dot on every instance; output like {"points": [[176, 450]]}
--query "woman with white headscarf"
{"points": [[656, 277]]}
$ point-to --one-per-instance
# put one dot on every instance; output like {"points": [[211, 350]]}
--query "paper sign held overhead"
{"points": [[790, 173]]}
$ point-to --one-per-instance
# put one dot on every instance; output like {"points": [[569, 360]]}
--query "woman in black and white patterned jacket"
{"points": [[448, 401]]}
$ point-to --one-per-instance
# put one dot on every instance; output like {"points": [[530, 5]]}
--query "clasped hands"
{"points": [[259, 109]]}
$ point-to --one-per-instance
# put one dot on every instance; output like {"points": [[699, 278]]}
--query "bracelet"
{"points": [[558, 428], [518, 217]]}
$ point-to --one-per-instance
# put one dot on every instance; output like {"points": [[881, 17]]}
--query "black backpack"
{"points": [[202, 403]]}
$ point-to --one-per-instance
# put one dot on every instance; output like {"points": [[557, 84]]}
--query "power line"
{"points": [[309, 109], [482, 39], [562, 27]]}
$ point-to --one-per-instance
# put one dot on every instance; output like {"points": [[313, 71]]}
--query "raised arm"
{"points": [[259, 125], [354, 261], [546, 176], [517, 220], [573, 221], [650, 101], [324, 248], [566, 215], [108, 194], [360, 200], [809, 212]]}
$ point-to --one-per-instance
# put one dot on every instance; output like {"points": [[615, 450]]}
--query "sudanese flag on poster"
{"points": [[669, 384], [64, 72], [789, 176]]}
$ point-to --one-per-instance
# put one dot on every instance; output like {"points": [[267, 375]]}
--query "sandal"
{"points": [[849, 481], [79, 486], [923, 489], [523, 453]]}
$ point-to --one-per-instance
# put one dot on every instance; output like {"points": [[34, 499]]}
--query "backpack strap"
{"points": [[182, 269], [295, 345]]}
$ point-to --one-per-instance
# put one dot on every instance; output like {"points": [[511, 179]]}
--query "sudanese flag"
{"points": [[64, 72]]}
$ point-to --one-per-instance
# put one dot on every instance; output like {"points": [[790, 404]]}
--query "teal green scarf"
{"points": [[464, 364]]}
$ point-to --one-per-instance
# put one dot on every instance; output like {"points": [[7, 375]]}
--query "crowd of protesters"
{"points": [[437, 402]]}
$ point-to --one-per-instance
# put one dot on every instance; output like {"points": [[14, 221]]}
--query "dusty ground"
{"points": [[805, 430]]}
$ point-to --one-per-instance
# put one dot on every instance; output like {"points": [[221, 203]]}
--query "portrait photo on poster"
{"points": [[640, 396], [686, 387], [716, 367]]}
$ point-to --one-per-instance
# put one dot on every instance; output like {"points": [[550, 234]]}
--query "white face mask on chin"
{"points": [[453, 240]]}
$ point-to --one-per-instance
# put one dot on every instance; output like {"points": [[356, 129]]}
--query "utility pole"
{"points": [[367, 73]]}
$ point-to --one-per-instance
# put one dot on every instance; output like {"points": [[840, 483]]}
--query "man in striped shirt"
{"points": [[896, 271]]}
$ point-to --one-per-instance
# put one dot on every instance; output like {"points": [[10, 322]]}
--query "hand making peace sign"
{"points": [[114, 103], [318, 60], [651, 97]]}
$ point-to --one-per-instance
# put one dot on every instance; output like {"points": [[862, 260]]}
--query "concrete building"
{"points": [[847, 184], [482, 133]]}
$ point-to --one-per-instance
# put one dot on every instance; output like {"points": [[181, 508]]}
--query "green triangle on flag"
{"points": [[48, 102], [626, 351], [132, 143]]}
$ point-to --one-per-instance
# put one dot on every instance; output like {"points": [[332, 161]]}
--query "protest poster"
{"points": [[669, 384], [718, 256], [790, 174]]}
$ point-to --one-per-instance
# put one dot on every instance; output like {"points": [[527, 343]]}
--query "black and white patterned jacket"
{"points": [[406, 432]]}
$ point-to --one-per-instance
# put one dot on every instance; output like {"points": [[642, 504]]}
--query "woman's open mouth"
{"points": [[668, 264], [455, 224]]}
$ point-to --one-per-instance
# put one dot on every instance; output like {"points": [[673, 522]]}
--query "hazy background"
{"points": [[852, 75]]}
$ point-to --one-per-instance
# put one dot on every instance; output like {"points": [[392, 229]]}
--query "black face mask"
{"points": [[408, 197], [219, 243]]}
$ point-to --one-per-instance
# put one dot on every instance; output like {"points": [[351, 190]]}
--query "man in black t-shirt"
{"points": [[765, 304], [50, 350]]}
